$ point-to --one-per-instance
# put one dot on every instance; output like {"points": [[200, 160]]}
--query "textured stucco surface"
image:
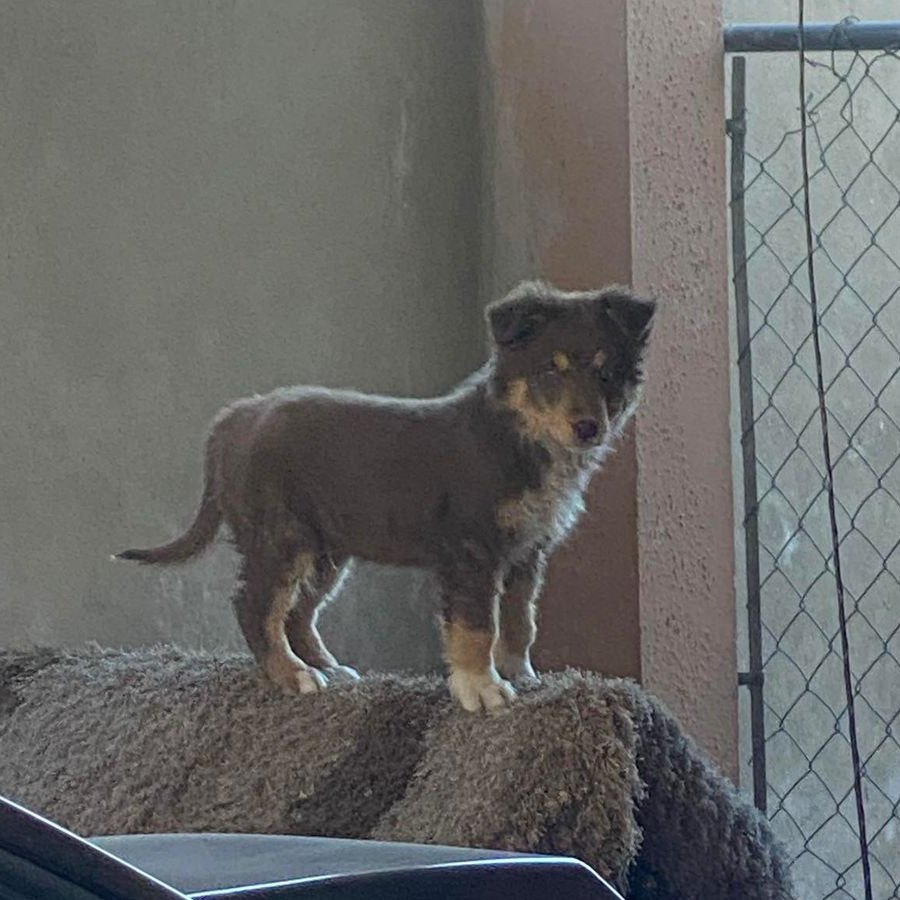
{"points": [[679, 252], [608, 155], [201, 201]]}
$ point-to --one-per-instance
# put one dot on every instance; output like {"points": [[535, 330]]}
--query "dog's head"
{"points": [[570, 364]]}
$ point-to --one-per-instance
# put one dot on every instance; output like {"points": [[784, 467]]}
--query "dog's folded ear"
{"points": [[633, 316], [519, 317]]}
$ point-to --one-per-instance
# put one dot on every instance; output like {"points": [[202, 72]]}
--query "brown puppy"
{"points": [[479, 485]]}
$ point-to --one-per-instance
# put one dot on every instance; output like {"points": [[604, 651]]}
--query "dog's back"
{"points": [[394, 481]]}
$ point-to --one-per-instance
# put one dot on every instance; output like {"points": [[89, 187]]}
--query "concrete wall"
{"points": [[201, 201]]}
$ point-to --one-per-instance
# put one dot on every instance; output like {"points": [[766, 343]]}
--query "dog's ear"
{"points": [[519, 318], [633, 316]]}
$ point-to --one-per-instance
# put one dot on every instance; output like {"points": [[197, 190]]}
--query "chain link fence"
{"points": [[801, 753]]}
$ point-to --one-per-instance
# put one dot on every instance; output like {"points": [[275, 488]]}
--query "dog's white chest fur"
{"points": [[544, 516]]}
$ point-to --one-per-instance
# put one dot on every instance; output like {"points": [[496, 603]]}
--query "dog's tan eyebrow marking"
{"points": [[561, 361], [599, 359]]}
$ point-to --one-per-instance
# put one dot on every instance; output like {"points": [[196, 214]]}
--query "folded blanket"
{"points": [[169, 740]]}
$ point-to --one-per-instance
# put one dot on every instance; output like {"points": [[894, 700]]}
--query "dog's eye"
{"points": [[561, 362], [603, 375], [559, 365]]}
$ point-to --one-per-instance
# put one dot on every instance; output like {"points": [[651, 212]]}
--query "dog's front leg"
{"points": [[521, 589], [470, 630]]}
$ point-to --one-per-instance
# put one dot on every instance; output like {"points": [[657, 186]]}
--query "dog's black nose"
{"points": [[586, 429]]}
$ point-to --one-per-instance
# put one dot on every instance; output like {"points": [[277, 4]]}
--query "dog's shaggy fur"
{"points": [[479, 485], [166, 740]]}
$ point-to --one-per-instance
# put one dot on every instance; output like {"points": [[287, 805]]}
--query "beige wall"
{"points": [[202, 201], [679, 251]]}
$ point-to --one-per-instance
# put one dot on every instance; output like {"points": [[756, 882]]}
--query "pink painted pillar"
{"points": [[608, 164]]}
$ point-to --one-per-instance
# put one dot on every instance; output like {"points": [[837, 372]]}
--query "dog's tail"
{"points": [[198, 536]]}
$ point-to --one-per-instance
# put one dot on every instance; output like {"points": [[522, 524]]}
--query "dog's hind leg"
{"points": [[314, 591], [470, 630], [262, 603], [521, 589]]}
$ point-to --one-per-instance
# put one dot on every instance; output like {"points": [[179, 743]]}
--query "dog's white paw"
{"points": [[311, 681], [485, 690], [295, 678], [516, 668], [342, 674]]}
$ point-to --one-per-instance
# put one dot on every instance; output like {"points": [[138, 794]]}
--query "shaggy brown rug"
{"points": [[163, 740]]}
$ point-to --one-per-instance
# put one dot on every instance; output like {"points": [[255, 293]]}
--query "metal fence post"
{"points": [[753, 679]]}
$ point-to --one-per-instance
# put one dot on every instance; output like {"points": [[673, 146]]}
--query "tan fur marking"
{"points": [[599, 359], [283, 670], [305, 568], [561, 361], [282, 659], [468, 649], [540, 422], [281, 606]]}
